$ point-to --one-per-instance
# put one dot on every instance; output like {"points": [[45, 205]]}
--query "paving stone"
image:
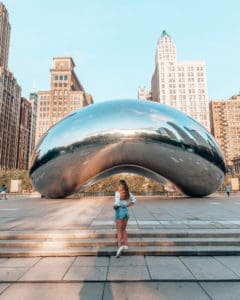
{"points": [[128, 273], [2, 260], [63, 291], [50, 268], [86, 261], [53, 261], [125, 261], [86, 273], [44, 274], [20, 262], [85, 211], [205, 268], [148, 222], [232, 262], [154, 291], [167, 268], [3, 286], [11, 274], [222, 290]]}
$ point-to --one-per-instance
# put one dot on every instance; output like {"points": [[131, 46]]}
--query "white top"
{"points": [[119, 202]]}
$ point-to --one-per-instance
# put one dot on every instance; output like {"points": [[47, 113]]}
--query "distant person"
{"points": [[227, 189], [123, 199], [3, 192]]}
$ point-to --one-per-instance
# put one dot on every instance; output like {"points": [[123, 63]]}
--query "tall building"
{"points": [[225, 126], [5, 29], [24, 134], [144, 94], [181, 84], [10, 95], [33, 100], [236, 164], [10, 98], [66, 94]]}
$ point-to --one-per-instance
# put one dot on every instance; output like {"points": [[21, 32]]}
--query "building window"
{"points": [[56, 77], [65, 77], [61, 77]]}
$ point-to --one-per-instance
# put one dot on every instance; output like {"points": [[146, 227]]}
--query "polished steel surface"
{"points": [[142, 137]]}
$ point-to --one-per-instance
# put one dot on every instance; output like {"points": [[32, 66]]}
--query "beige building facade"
{"points": [[5, 29], [181, 84], [10, 102], [225, 126], [66, 95], [236, 164], [144, 94], [33, 101], [24, 134]]}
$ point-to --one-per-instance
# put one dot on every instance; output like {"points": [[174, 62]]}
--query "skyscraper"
{"points": [[181, 84], [10, 100], [10, 95], [225, 126], [33, 100], [24, 134], [66, 94], [4, 36]]}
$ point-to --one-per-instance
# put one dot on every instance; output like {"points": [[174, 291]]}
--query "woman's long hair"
{"points": [[123, 190]]}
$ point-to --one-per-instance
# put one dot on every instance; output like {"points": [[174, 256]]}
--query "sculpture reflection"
{"points": [[142, 137]]}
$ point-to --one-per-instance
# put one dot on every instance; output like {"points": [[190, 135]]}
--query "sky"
{"points": [[113, 43]]}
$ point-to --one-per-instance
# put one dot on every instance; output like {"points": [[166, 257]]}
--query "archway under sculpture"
{"points": [[142, 137]]}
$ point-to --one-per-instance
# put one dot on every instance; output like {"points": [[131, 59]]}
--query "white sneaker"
{"points": [[125, 247], [120, 249]]}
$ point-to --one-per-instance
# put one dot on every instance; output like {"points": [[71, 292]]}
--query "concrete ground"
{"points": [[129, 277]]}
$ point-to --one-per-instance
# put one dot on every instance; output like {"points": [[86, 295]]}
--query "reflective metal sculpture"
{"points": [[142, 137]]}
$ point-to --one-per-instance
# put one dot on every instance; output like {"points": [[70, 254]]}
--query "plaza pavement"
{"points": [[129, 277]]}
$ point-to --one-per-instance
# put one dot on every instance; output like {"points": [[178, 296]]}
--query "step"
{"points": [[103, 242], [91, 234], [111, 251], [138, 242]]}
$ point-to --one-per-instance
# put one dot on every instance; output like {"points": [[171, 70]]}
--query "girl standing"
{"points": [[123, 200]]}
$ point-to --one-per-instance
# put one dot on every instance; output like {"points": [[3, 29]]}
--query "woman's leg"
{"points": [[119, 232], [124, 232]]}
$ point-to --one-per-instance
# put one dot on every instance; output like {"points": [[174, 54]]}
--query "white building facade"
{"points": [[181, 84]]}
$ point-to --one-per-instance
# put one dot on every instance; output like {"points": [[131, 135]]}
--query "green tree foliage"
{"points": [[137, 184], [8, 175]]}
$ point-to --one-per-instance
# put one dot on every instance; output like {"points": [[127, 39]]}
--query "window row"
{"points": [[61, 77], [60, 85]]}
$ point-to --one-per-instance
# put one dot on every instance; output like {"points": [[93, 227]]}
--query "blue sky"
{"points": [[113, 43]]}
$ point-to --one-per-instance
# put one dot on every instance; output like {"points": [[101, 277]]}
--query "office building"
{"points": [[181, 84], [225, 126], [33, 100], [10, 100], [5, 29], [66, 95], [24, 135], [236, 164]]}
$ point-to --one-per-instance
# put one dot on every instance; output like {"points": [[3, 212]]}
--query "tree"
{"points": [[8, 175], [138, 184]]}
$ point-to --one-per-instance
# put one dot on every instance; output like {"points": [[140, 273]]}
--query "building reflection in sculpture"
{"points": [[146, 138]]}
